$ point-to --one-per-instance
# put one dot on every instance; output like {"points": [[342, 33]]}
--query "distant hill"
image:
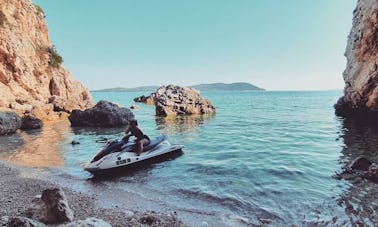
{"points": [[227, 87], [135, 89], [200, 87]]}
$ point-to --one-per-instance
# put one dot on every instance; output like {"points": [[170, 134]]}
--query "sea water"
{"points": [[266, 157]]}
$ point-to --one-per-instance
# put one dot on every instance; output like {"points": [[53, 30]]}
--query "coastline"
{"points": [[33, 163], [18, 190]]}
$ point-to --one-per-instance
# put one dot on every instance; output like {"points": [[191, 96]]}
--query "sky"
{"points": [[273, 44]]}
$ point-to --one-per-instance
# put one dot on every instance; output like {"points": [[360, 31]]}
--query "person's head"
{"points": [[133, 123]]}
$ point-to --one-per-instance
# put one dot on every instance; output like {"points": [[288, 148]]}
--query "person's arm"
{"points": [[127, 135]]}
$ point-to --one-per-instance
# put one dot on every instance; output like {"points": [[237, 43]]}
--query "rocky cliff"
{"points": [[31, 77], [361, 73]]}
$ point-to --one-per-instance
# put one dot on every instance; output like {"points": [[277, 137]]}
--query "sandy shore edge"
{"points": [[18, 191]]}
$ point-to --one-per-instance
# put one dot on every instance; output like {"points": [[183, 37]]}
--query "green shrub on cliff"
{"points": [[39, 9], [55, 59]]}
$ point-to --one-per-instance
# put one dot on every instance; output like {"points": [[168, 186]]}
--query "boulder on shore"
{"points": [[52, 207], [9, 122], [103, 114], [31, 122], [174, 100]]}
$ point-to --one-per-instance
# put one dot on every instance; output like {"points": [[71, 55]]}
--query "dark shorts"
{"points": [[144, 137]]}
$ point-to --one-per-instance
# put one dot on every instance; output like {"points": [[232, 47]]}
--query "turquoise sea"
{"points": [[265, 158]]}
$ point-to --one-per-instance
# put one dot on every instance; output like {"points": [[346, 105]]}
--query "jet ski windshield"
{"points": [[110, 146]]}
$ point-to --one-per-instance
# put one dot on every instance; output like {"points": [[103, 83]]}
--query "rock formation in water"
{"points": [[361, 73], [360, 167], [174, 100], [149, 100], [32, 79], [103, 114]]}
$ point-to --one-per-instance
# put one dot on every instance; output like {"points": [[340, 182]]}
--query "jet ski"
{"points": [[117, 154]]}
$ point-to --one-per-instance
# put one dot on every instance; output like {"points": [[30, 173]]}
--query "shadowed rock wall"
{"points": [[361, 73]]}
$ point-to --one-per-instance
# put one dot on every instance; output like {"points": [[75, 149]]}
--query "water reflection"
{"points": [[179, 124], [40, 148], [9, 144], [97, 131], [360, 200]]}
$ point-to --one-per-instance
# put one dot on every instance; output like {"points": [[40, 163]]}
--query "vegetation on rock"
{"points": [[55, 59], [32, 76], [39, 9]]}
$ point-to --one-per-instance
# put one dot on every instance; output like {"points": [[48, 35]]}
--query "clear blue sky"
{"points": [[274, 44]]}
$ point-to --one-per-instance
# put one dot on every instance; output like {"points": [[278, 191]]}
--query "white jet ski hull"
{"points": [[126, 159]]}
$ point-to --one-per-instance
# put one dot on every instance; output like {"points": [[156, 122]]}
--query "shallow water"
{"points": [[264, 158]]}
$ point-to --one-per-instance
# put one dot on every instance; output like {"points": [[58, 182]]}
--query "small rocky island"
{"points": [[174, 100], [361, 74]]}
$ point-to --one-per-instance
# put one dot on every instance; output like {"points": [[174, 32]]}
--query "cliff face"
{"points": [[30, 80], [361, 73]]}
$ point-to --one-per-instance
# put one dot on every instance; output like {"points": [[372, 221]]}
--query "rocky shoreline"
{"points": [[18, 191]]}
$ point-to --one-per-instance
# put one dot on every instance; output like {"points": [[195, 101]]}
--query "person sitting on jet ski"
{"points": [[141, 139]]}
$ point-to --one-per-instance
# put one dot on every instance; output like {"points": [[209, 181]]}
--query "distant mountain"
{"points": [[227, 87], [135, 89], [200, 87]]}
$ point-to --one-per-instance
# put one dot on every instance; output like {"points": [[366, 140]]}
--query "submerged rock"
{"points": [[360, 163], [31, 122], [373, 170], [103, 114], [361, 73], [134, 107], [9, 122], [74, 142], [149, 100], [361, 167]]}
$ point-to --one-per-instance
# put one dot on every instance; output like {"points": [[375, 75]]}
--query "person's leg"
{"points": [[140, 144]]}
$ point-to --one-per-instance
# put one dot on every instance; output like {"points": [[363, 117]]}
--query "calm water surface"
{"points": [[264, 158]]}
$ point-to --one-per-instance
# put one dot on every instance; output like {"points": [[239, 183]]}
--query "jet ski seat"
{"points": [[153, 143]]}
